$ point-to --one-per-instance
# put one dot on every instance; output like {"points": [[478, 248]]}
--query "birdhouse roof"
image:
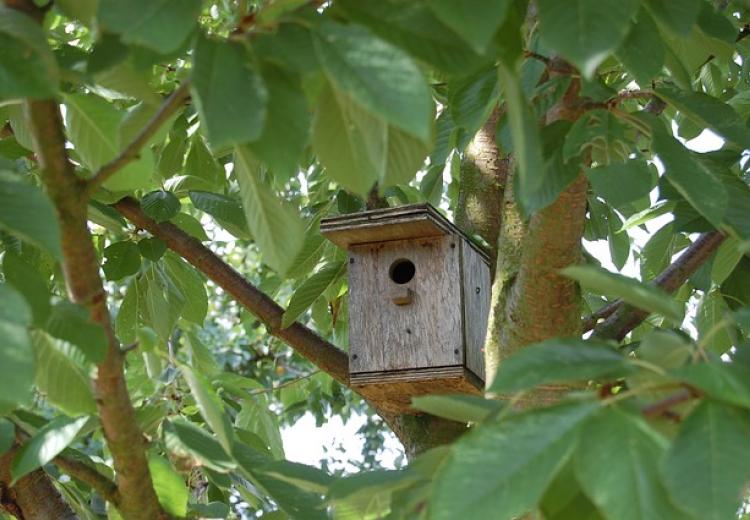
{"points": [[381, 225]]}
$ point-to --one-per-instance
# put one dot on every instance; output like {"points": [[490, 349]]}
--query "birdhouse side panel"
{"points": [[405, 305], [476, 306]]}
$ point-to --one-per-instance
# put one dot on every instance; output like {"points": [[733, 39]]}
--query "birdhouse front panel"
{"points": [[407, 305]]}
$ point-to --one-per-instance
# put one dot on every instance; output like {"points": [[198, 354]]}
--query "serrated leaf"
{"points": [[160, 205], [709, 112], [622, 183], [26, 212], [642, 53], [696, 184], [258, 419], [708, 466], [533, 446], [310, 290], [227, 211], [45, 445], [558, 361], [475, 22], [169, 486], [30, 282], [210, 406], [229, 92], [378, 76], [190, 225], [126, 321], [677, 16], [121, 259], [184, 439], [629, 485], [638, 294], [28, 67], [728, 382], [585, 31], [192, 287], [71, 323], [160, 25], [92, 126], [287, 128], [17, 368], [276, 227], [60, 375], [527, 145]]}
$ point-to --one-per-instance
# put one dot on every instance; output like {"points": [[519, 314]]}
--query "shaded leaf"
{"points": [[310, 290], [169, 486], [461, 408]]}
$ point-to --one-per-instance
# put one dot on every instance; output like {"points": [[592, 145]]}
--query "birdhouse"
{"points": [[419, 298]]}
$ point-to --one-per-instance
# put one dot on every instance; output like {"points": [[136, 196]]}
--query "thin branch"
{"points": [[106, 488], [663, 407], [171, 105], [625, 318], [291, 382], [537, 56], [320, 352]]}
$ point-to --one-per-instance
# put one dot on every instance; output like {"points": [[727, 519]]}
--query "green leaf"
{"points": [[726, 259], [210, 406], [638, 294], [368, 494], [17, 367], [185, 439], [476, 22], [191, 285], [310, 290], [45, 445], [628, 485], [26, 212], [559, 361], [227, 211], [621, 183], [585, 31], [461, 408], [416, 29], [28, 68], [229, 93], [708, 466], [709, 112], [190, 225], [728, 382], [160, 205], [287, 128], [501, 468], [309, 255], [277, 227], [84, 10], [30, 282], [642, 53], [61, 375], [7, 435], [527, 146], [162, 301], [121, 259], [258, 419], [349, 141], [160, 25], [71, 323], [677, 16], [472, 98], [377, 75], [696, 184], [92, 126], [713, 322], [152, 248], [169, 486], [126, 321]]}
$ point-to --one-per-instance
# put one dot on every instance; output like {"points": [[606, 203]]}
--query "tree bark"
{"points": [[81, 270], [33, 497], [531, 301], [484, 175]]}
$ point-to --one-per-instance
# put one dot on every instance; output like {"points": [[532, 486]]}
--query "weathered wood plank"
{"points": [[425, 333], [476, 307], [393, 391]]}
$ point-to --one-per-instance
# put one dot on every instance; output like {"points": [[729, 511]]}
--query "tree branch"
{"points": [[106, 488], [662, 407], [172, 104], [625, 317], [317, 350], [81, 270]]}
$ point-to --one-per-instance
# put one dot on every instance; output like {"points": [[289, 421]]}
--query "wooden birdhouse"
{"points": [[419, 297]]}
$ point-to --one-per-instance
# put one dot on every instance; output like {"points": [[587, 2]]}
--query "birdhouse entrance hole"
{"points": [[402, 271]]}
